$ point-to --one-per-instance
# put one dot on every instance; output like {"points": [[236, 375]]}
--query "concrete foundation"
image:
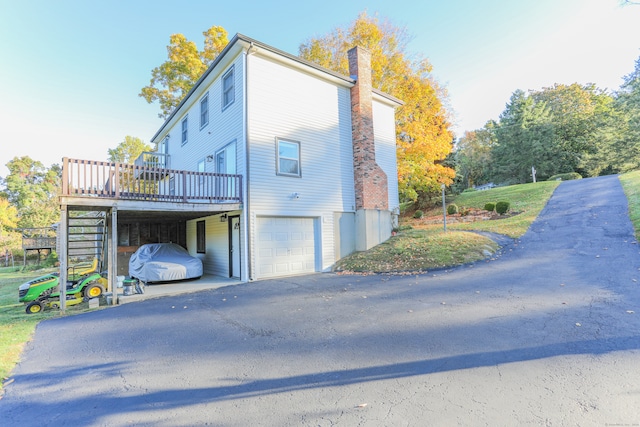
{"points": [[373, 227]]}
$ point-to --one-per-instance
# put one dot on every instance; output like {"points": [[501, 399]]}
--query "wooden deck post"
{"points": [[63, 235], [112, 257]]}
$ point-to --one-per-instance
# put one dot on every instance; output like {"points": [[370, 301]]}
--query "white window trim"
{"points": [[184, 130], [299, 159], [206, 121], [232, 89]]}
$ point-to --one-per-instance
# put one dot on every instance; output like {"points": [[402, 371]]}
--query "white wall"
{"points": [[223, 128], [385, 139], [286, 103], [216, 258]]}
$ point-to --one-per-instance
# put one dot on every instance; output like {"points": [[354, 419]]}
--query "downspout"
{"points": [[247, 234]]}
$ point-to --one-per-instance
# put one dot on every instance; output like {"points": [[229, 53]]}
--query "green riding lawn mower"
{"points": [[83, 284]]}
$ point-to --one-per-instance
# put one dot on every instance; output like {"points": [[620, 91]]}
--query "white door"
{"points": [[285, 246], [226, 163]]}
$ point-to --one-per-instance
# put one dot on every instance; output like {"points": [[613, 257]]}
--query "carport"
{"points": [[123, 194], [206, 282]]}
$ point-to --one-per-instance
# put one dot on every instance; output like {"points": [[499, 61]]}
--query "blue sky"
{"points": [[71, 70]]}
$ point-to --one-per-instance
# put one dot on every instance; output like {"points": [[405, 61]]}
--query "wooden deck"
{"points": [[95, 180]]}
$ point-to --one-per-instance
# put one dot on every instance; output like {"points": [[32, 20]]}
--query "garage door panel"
{"points": [[265, 269], [286, 246], [265, 252], [265, 237]]}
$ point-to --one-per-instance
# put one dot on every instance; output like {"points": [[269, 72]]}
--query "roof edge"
{"points": [[248, 42]]}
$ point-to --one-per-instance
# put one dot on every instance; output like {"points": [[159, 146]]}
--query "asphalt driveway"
{"points": [[547, 333]]}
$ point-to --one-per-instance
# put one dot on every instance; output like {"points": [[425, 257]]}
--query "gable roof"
{"points": [[240, 41]]}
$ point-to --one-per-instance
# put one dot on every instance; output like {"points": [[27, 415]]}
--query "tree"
{"points": [[423, 134], [33, 190], [128, 150], [626, 149], [524, 138], [9, 238], [473, 155], [8, 216], [175, 77], [558, 129]]}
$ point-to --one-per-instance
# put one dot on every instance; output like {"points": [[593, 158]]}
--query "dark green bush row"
{"points": [[452, 209], [489, 207]]}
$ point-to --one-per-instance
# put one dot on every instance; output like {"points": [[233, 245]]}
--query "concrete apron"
{"points": [[156, 290]]}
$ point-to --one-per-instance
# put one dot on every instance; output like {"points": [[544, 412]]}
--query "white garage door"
{"points": [[285, 246]]}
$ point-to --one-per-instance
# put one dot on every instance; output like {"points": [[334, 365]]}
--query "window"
{"points": [[221, 163], [226, 163], [185, 126], [228, 92], [204, 111], [163, 146], [201, 168], [201, 238], [288, 158]]}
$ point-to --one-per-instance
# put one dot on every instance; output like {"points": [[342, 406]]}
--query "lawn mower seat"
{"points": [[83, 268]]}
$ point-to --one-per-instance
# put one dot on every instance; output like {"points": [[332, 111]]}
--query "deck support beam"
{"points": [[63, 256], [112, 258]]}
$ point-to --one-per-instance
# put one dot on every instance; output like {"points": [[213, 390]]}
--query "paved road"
{"points": [[546, 334]]}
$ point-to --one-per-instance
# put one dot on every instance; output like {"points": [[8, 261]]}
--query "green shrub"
{"points": [[502, 207], [565, 176], [418, 214], [452, 209], [464, 211], [489, 207]]}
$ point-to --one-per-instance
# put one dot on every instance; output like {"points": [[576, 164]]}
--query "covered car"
{"points": [[163, 262]]}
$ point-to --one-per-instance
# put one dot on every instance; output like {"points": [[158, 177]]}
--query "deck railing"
{"points": [[153, 159], [90, 178]]}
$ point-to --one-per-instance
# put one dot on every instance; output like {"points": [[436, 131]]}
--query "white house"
{"points": [[294, 131], [313, 153]]}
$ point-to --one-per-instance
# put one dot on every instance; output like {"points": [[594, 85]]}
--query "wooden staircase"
{"points": [[87, 237]]}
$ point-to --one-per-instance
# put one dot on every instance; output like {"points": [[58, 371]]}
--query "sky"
{"points": [[71, 70]]}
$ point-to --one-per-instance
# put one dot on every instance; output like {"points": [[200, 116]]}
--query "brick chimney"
{"points": [[371, 187]]}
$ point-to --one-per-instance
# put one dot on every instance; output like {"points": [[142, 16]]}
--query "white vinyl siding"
{"points": [[285, 103], [385, 140], [223, 127], [215, 260]]}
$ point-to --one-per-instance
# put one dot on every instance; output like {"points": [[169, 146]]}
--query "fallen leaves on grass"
{"points": [[418, 251]]}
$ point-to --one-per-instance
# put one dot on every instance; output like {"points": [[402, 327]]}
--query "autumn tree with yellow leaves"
{"points": [[423, 134], [175, 77]]}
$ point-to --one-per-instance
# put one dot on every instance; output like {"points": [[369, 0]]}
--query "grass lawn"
{"points": [[631, 185], [420, 250], [527, 199], [16, 327], [425, 247]]}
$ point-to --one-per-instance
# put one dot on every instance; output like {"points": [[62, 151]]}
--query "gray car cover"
{"points": [[163, 262]]}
